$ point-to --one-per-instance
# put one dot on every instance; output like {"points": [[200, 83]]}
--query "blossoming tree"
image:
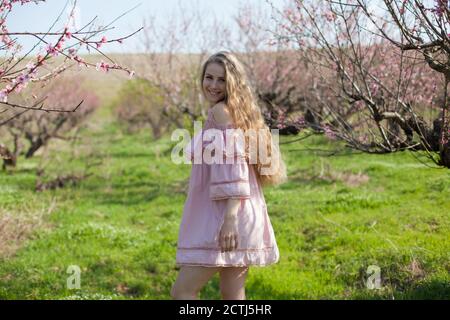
{"points": [[59, 52], [379, 68]]}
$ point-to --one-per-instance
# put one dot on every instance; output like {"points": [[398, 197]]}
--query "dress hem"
{"points": [[223, 265], [213, 257]]}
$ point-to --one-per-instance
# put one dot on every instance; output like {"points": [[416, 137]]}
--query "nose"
{"points": [[214, 84]]}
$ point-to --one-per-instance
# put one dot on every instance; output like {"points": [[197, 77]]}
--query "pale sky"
{"points": [[38, 18]]}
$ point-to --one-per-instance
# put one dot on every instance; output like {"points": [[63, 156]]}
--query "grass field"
{"points": [[334, 218]]}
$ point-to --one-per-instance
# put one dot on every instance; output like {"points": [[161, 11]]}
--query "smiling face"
{"points": [[214, 85]]}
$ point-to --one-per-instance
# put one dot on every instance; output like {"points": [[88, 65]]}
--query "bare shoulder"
{"points": [[221, 113]]}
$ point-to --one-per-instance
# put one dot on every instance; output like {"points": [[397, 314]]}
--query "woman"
{"points": [[225, 226]]}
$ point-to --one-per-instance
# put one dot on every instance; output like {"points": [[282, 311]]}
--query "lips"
{"points": [[214, 93]]}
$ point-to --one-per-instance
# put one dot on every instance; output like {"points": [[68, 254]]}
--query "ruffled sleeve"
{"points": [[229, 181]]}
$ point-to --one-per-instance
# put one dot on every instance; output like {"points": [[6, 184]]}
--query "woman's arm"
{"points": [[229, 237], [232, 208]]}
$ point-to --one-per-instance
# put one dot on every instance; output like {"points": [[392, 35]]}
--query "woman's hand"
{"points": [[229, 237]]}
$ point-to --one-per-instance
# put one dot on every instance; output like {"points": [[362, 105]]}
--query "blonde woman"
{"points": [[225, 226]]}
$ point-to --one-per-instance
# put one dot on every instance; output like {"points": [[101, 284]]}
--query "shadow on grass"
{"points": [[130, 155], [125, 194], [429, 290], [133, 193]]}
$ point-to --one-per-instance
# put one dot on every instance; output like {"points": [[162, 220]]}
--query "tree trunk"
{"points": [[35, 145], [9, 158], [444, 147]]}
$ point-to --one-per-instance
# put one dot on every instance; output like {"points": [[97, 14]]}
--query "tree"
{"points": [[378, 97], [60, 52]]}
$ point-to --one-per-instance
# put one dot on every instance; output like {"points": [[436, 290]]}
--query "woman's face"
{"points": [[214, 85]]}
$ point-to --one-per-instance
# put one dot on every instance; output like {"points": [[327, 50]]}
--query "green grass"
{"points": [[120, 225]]}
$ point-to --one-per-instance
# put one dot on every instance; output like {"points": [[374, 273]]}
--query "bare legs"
{"points": [[191, 280], [232, 283]]}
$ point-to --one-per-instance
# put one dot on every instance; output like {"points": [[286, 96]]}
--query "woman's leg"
{"points": [[190, 281], [232, 282]]}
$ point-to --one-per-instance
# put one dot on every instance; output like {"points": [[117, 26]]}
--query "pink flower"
{"points": [[23, 78], [102, 66], [330, 16], [67, 34], [52, 50], [59, 44], [300, 121], [102, 41], [4, 95], [329, 132], [40, 59]]}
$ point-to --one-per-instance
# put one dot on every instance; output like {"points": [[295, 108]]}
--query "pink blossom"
{"points": [[23, 78], [67, 34], [59, 44], [21, 82], [330, 16], [40, 59], [51, 50], [103, 40], [440, 7], [4, 95], [102, 66], [300, 121], [329, 132]]}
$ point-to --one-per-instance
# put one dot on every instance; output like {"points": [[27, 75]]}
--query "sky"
{"points": [[38, 18]]}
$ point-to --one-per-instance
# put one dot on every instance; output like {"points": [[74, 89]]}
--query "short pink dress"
{"points": [[210, 186]]}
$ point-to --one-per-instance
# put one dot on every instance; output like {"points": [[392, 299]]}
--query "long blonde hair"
{"points": [[246, 114]]}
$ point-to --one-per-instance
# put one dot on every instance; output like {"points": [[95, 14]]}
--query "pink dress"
{"points": [[210, 186]]}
